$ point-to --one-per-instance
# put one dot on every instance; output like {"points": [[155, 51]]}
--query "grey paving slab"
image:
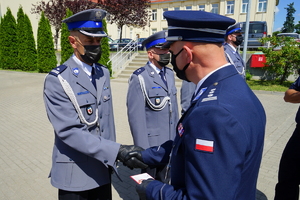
{"points": [[26, 139]]}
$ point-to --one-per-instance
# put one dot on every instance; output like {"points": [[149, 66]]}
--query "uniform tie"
{"points": [[162, 76], [93, 74]]}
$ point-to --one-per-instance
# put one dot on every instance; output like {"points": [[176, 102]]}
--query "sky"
{"points": [[280, 13]]}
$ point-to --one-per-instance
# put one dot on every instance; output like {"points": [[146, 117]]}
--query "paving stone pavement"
{"points": [[26, 139]]}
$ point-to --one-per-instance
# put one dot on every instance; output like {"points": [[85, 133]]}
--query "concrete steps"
{"points": [[139, 61]]}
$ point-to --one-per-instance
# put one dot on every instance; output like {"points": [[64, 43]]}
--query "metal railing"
{"points": [[122, 58]]}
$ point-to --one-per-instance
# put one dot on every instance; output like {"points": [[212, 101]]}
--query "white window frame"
{"points": [[164, 10], [262, 6], [154, 30], [176, 8], [188, 7], [230, 7], [215, 8], [154, 15], [202, 9], [245, 4]]}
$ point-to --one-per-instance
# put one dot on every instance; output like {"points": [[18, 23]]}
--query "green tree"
{"points": [[282, 63], [297, 27], [9, 44], [26, 60], [288, 26], [105, 50], [46, 59], [66, 49], [30, 63]]}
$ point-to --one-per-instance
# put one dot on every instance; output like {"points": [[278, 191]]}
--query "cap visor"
{"points": [[93, 33], [167, 45]]}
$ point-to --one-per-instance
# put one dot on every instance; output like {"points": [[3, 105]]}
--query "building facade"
{"points": [[261, 10]]}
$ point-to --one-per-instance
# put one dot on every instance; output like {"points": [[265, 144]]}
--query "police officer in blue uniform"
{"points": [[78, 102], [233, 39], [218, 146], [289, 167], [152, 107]]}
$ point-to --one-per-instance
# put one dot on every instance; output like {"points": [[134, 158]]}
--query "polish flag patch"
{"points": [[204, 145]]}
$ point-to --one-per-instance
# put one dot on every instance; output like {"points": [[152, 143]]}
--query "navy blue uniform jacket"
{"points": [[218, 148]]}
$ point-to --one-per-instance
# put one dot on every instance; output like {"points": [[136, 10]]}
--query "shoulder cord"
{"points": [[68, 90], [230, 60], [154, 107]]}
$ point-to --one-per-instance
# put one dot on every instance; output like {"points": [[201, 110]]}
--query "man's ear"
{"points": [[72, 41], [150, 54], [189, 54]]}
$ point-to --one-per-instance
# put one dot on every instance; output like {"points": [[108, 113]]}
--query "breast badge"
{"points": [[89, 110]]}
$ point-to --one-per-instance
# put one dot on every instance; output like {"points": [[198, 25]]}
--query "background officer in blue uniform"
{"points": [[289, 167], [233, 39], [152, 107], [78, 102], [218, 146]]}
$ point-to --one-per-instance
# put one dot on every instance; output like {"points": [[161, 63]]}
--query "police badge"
{"points": [[89, 110]]}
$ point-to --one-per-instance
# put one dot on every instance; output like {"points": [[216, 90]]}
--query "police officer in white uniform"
{"points": [[151, 99], [233, 39], [78, 102]]}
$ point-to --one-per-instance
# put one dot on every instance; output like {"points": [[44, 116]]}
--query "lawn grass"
{"points": [[269, 85]]}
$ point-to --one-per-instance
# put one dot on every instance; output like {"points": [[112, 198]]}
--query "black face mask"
{"points": [[179, 73], [92, 53], [164, 59], [238, 40]]}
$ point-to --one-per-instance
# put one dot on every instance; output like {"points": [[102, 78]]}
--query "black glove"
{"points": [[141, 188], [131, 156]]}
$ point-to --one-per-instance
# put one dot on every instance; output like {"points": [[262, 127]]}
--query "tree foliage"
{"points": [[26, 60], [127, 12], [8, 40], [66, 49], [46, 59], [55, 11], [282, 63], [297, 27], [288, 26], [105, 50]]}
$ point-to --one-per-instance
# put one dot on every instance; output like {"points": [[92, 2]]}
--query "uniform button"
{"points": [[105, 161], [101, 117], [70, 159]]}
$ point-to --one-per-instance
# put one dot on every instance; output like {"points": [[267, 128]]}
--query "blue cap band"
{"points": [[84, 24], [233, 30], [155, 42]]}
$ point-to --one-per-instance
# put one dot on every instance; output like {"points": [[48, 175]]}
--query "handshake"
{"points": [[131, 156]]}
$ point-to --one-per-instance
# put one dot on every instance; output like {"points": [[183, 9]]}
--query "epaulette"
{"points": [[58, 70], [138, 71], [100, 65]]}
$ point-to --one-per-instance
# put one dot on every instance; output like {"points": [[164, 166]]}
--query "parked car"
{"points": [[110, 40], [117, 45], [295, 36], [141, 47], [257, 30]]}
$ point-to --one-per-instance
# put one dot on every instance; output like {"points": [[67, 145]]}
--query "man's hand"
{"points": [[131, 156], [141, 188]]}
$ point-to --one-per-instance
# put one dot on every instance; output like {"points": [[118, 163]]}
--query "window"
{"points": [[154, 30], [188, 7], [202, 7], [176, 8], [165, 29], [230, 7], [262, 6], [245, 6], [154, 15], [215, 8], [164, 10]]}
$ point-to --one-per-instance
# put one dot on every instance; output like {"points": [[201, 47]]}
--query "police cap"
{"points": [[196, 26], [155, 40], [236, 28], [87, 22]]}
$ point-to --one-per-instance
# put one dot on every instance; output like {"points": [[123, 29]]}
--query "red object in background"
{"points": [[258, 60]]}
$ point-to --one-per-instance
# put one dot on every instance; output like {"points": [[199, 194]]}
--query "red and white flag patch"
{"points": [[204, 145]]}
